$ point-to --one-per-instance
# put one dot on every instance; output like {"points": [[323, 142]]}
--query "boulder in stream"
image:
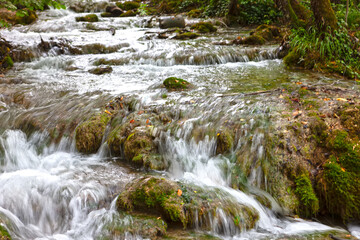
{"points": [[176, 84], [172, 22], [114, 11], [88, 18], [204, 27], [189, 205], [129, 5]]}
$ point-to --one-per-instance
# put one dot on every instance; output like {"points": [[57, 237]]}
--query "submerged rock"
{"points": [[186, 35], [189, 205], [88, 18], [143, 225], [90, 133], [101, 70], [176, 84], [172, 22]]}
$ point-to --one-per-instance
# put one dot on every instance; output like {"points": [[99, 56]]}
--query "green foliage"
{"points": [[305, 192], [334, 50], [142, 10], [4, 234], [258, 12]]}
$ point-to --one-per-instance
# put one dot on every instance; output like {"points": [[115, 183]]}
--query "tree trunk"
{"points": [[324, 14], [347, 11], [233, 8], [294, 12]]}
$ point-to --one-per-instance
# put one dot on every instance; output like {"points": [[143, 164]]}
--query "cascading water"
{"points": [[50, 191]]}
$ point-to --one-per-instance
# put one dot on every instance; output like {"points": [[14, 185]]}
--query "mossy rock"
{"points": [[309, 203], [225, 141], [4, 234], [88, 18], [101, 70], [350, 120], [179, 203], [293, 58], [129, 5], [175, 84], [90, 133], [143, 225], [140, 149], [106, 14], [129, 13], [187, 35], [204, 27], [28, 18]]}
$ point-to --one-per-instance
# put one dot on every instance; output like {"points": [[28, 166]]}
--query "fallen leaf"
{"points": [[341, 99], [218, 134], [298, 83], [121, 106], [327, 99], [343, 169], [121, 98], [179, 192], [140, 112], [158, 218], [147, 121], [108, 112], [304, 123], [281, 96], [192, 101], [132, 120]]}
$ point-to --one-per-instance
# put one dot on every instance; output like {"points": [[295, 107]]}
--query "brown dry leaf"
{"points": [[106, 111], [140, 112], [132, 120], [147, 121], [121, 98], [327, 99], [121, 106], [304, 123], [298, 83], [341, 99], [343, 169], [179, 192]]}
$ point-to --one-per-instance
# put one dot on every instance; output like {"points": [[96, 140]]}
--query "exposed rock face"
{"points": [[114, 11], [172, 22]]}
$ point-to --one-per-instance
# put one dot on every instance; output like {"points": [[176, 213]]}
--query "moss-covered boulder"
{"points": [[225, 141], [129, 13], [4, 234], [90, 133], [114, 11], [176, 84], [101, 70], [143, 225], [6, 61], [190, 205], [263, 34], [204, 27], [129, 5], [106, 15], [88, 18], [186, 35], [140, 149]]}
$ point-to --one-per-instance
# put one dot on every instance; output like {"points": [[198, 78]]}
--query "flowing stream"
{"points": [[50, 191]]}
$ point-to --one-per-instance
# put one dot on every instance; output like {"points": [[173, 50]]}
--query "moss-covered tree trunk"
{"points": [[294, 12], [324, 14]]}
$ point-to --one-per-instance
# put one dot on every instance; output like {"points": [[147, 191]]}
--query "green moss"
{"points": [[4, 234], [225, 141], [187, 35], [309, 203], [204, 27], [106, 14], [129, 13], [88, 18], [293, 58], [173, 83], [90, 133], [28, 18], [350, 120], [8, 62], [194, 13], [129, 5], [101, 70]]}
